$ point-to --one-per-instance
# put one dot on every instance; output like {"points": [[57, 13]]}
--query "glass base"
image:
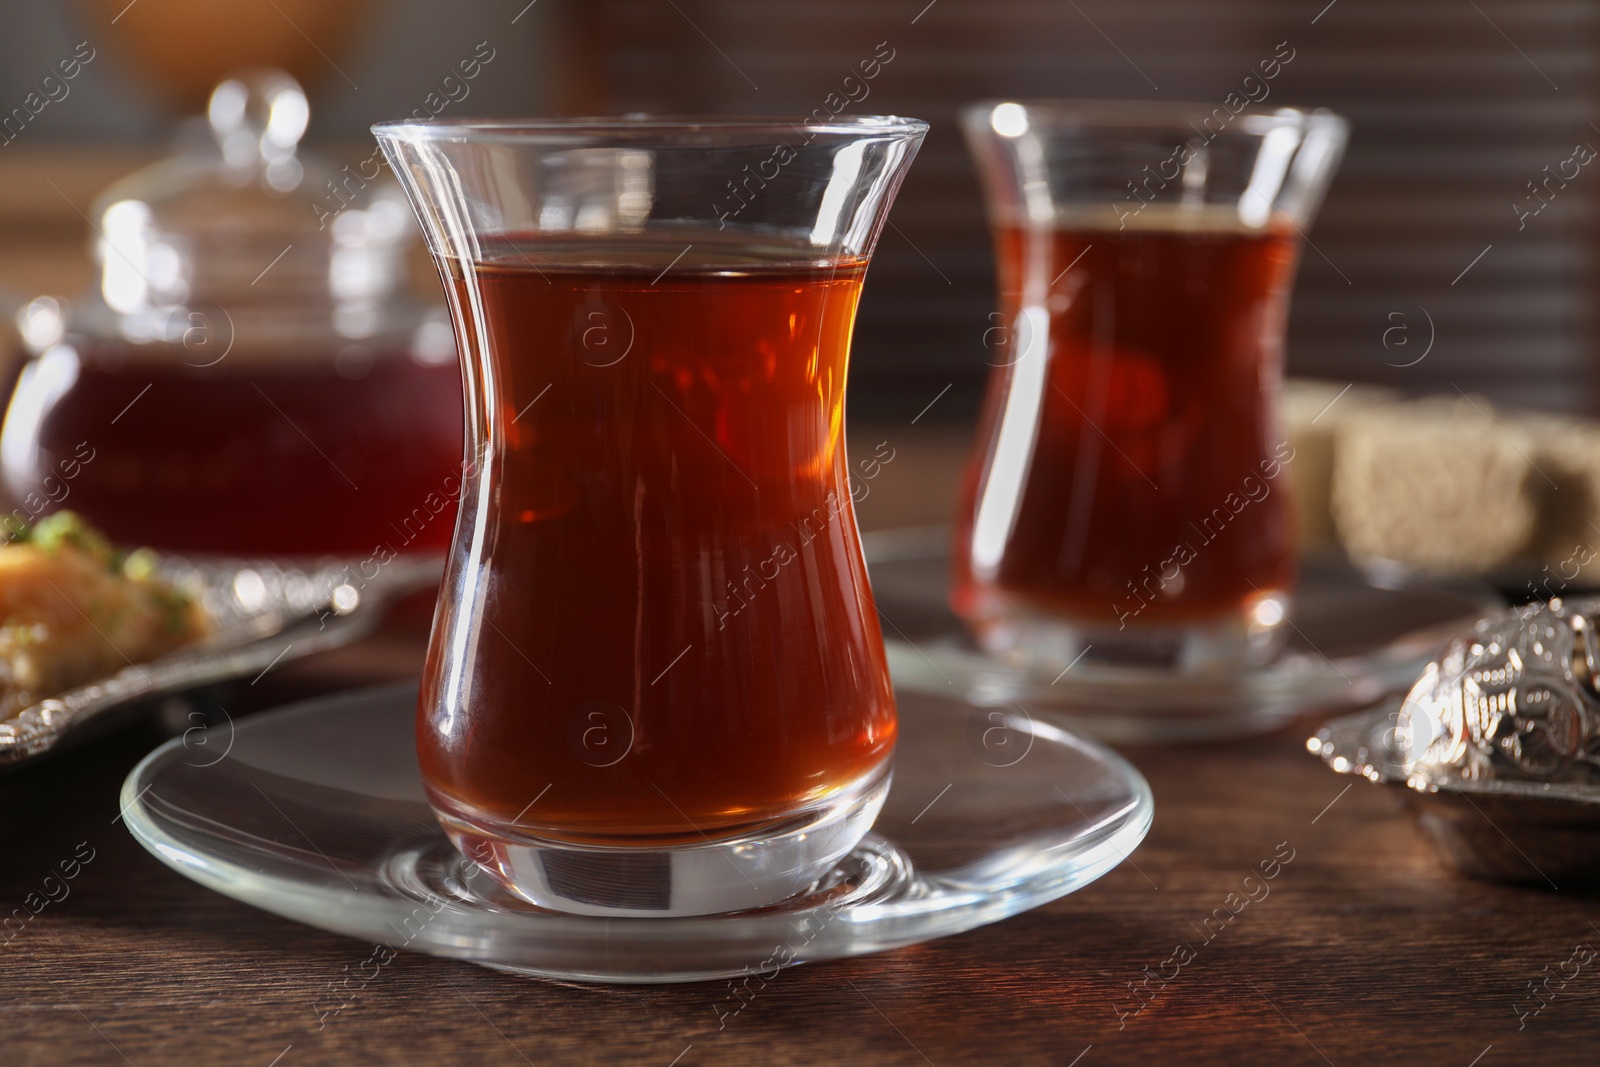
{"points": [[1050, 644], [751, 870]]}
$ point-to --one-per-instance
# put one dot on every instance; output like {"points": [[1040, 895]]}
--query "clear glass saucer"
{"points": [[1355, 637], [317, 813]]}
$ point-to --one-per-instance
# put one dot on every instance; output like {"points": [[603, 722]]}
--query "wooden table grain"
{"points": [[1362, 949]]}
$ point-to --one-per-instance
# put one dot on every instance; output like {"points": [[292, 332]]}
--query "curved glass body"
{"points": [[1123, 507], [656, 683]]}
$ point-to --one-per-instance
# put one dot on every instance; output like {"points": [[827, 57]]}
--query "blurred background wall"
{"points": [[1444, 226]]}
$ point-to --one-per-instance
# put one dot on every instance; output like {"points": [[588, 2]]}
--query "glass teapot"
{"points": [[251, 375]]}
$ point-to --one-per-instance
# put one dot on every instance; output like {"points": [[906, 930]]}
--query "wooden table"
{"points": [[1365, 951]]}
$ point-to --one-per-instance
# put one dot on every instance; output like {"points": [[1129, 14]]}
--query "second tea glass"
{"points": [[656, 684], [1125, 506]]}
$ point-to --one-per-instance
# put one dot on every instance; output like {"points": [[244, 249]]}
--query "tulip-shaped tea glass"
{"points": [[656, 684], [1125, 506]]}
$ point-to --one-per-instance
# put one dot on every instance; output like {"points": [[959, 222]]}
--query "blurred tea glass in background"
{"points": [[1124, 507]]}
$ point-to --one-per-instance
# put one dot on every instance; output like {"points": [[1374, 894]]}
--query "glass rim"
{"points": [[1150, 114], [536, 130]]}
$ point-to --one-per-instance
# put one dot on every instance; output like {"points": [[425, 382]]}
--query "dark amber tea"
{"points": [[678, 638], [277, 455], [1141, 376], [656, 684], [1125, 508]]}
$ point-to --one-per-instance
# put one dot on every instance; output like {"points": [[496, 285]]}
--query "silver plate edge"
{"points": [[298, 622]]}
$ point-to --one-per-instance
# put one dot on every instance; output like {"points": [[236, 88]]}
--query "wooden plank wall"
{"points": [[1456, 106]]}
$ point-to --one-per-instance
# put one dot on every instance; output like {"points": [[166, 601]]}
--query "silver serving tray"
{"points": [[263, 612], [1503, 829]]}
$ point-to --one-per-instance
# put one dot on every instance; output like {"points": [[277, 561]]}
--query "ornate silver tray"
{"points": [[1497, 746], [264, 612]]}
